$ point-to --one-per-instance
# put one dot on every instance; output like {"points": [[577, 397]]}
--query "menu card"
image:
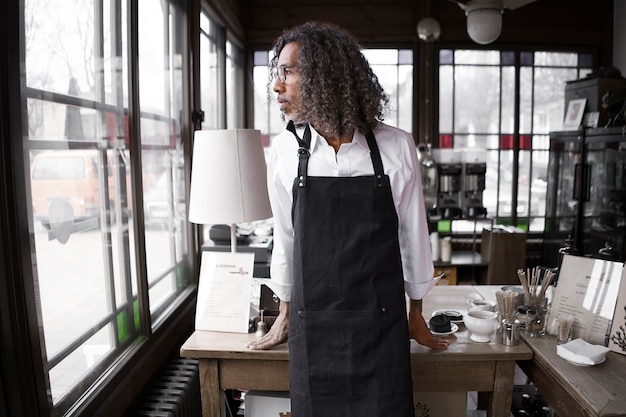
{"points": [[587, 289], [224, 291], [617, 339]]}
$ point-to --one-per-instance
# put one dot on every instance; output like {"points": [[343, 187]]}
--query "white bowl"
{"points": [[480, 304], [481, 324]]}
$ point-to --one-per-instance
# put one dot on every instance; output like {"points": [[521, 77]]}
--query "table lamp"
{"points": [[228, 186], [228, 179]]}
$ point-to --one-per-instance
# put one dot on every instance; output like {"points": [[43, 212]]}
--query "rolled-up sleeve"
{"points": [[281, 268], [413, 233]]}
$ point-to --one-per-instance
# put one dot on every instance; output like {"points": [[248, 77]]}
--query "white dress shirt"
{"points": [[399, 156]]}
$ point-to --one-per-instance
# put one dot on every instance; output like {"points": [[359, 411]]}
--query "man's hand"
{"points": [[277, 334], [418, 329]]}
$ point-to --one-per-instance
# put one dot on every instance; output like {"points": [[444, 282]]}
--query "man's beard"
{"points": [[296, 117]]}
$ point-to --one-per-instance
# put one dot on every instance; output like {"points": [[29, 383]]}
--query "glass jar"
{"points": [[536, 322]]}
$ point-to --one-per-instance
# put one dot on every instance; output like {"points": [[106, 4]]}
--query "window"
{"points": [[212, 38], [393, 67], [500, 106], [222, 74], [222, 80], [101, 287], [235, 85]]}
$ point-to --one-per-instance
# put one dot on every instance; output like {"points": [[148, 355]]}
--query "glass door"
{"points": [[604, 217], [565, 173]]}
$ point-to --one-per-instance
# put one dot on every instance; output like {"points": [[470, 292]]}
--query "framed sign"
{"points": [[587, 289], [574, 115], [617, 338], [224, 291]]}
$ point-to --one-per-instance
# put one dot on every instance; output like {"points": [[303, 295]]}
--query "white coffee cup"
{"points": [[480, 304]]}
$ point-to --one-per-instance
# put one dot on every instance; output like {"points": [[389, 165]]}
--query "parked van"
{"points": [[71, 175]]}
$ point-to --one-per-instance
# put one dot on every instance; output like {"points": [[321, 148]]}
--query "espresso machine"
{"points": [[473, 188], [449, 194]]}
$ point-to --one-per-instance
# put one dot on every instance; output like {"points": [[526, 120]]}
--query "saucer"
{"points": [[452, 314], [453, 329]]}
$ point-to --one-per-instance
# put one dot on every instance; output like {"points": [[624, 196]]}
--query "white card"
{"points": [[224, 291]]}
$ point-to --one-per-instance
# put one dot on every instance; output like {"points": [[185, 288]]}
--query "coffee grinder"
{"points": [[449, 177], [473, 188]]}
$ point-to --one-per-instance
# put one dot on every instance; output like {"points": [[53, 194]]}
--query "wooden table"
{"points": [[577, 391], [572, 391], [225, 362]]}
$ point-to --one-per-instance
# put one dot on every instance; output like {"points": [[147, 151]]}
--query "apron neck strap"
{"points": [[377, 161], [303, 152]]}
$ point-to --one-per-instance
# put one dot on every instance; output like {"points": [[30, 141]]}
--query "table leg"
{"points": [[501, 397], [210, 387]]}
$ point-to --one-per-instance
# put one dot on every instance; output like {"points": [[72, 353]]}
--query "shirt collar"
{"points": [[358, 138]]}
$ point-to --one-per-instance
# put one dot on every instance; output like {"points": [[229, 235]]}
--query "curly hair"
{"points": [[339, 90]]}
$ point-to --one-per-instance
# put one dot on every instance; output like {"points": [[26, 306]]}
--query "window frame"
{"points": [[118, 386], [518, 139]]}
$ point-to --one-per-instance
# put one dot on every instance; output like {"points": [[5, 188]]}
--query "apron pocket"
{"points": [[345, 352]]}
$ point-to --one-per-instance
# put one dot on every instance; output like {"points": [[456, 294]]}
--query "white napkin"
{"points": [[582, 352]]}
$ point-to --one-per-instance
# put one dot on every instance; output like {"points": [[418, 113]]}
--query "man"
{"points": [[350, 233]]}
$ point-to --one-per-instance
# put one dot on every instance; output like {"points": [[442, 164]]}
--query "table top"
{"points": [[220, 345], [598, 389]]}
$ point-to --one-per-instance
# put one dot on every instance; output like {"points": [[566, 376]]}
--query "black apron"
{"points": [[348, 331]]}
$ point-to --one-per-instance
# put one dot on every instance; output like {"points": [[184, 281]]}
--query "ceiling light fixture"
{"points": [[484, 17], [428, 29], [484, 20]]}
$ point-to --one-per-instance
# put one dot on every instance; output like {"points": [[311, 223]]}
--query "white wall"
{"points": [[619, 35]]}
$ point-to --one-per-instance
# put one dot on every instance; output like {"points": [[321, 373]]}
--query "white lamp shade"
{"points": [[484, 25], [228, 177]]}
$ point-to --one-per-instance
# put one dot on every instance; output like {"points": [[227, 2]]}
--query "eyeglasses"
{"points": [[281, 72]]}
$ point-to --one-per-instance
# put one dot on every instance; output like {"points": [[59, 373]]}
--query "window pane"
{"points": [[446, 89], [526, 103], [472, 141], [262, 102], [55, 31], [405, 97], [381, 56], [75, 269], [462, 56], [397, 81], [476, 113], [538, 185], [446, 56], [507, 117], [210, 93], [235, 99], [543, 58], [549, 96], [490, 195], [505, 185], [162, 157], [523, 184], [388, 78], [54, 121]]}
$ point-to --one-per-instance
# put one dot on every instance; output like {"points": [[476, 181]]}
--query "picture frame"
{"points": [[574, 114]]}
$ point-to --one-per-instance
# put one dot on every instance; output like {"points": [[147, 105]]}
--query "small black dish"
{"points": [[440, 323]]}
